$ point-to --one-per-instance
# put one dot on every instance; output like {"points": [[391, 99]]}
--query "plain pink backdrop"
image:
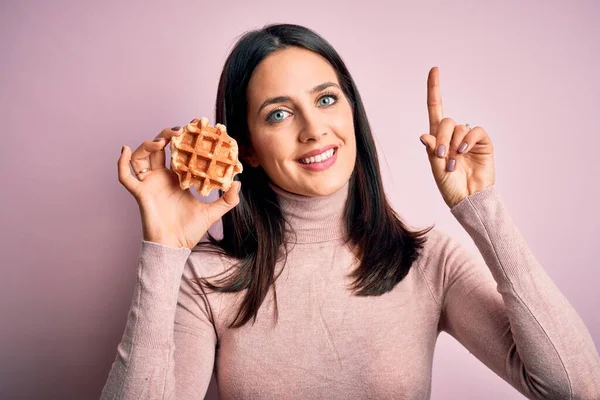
{"points": [[80, 80]]}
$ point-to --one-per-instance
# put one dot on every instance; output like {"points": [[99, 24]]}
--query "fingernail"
{"points": [[194, 120], [451, 164], [422, 141], [122, 149], [462, 147], [441, 151], [175, 128], [158, 140]]}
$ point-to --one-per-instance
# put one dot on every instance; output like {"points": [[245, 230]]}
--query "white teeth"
{"points": [[320, 158]]}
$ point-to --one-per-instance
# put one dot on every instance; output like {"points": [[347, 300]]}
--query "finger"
{"points": [[157, 158], [168, 133], [149, 146], [139, 158], [443, 137], [221, 206], [126, 178], [458, 136], [429, 142], [438, 146], [434, 100], [473, 137]]}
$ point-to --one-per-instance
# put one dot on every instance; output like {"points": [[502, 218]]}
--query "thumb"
{"points": [[222, 205]]}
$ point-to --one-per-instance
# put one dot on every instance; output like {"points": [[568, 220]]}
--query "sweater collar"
{"points": [[314, 219]]}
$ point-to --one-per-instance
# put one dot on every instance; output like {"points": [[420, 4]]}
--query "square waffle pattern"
{"points": [[205, 156]]}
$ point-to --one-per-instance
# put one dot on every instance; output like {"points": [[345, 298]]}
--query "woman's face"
{"points": [[300, 122]]}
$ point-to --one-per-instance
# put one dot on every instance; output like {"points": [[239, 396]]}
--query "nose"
{"points": [[313, 127]]}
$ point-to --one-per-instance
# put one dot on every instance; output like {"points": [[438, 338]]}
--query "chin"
{"points": [[327, 188], [322, 186]]}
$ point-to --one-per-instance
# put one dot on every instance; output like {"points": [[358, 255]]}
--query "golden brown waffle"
{"points": [[205, 156]]}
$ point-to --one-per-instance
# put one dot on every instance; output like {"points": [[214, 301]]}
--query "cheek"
{"points": [[271, 151], [345, 121], [346, 129]]}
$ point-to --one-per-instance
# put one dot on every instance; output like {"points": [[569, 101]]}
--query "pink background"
{"points": [[80, 80]]}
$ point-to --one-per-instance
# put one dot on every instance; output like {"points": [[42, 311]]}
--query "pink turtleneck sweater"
{"points": [[329, 344]]}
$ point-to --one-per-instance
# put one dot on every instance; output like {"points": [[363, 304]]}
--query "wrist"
{"points": [[165, 241]]}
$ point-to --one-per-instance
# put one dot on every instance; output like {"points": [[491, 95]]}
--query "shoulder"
{"points": [[440, 254], [439, 246]]}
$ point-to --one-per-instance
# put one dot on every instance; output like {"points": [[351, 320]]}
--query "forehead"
{"points": [[288, 72]]}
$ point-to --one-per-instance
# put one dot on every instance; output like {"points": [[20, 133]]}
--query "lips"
{"points": [[316, 152]]}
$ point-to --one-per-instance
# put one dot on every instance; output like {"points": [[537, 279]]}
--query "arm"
{"points": [[167, 350], [515, 321]]}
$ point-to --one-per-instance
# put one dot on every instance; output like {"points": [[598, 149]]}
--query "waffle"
{"points": [[205, 157]]}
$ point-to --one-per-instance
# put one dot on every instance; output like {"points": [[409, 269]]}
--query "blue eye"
{"points": [[276, 116], [330, 95]]}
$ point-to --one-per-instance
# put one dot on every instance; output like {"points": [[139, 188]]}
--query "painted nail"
{"points": [[194, 120], [122, 149], [175, 128], [422, 141], [462, 147], [451, 164], [441, 151], [158, 140]]}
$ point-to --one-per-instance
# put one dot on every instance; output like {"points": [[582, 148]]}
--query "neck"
{"points": [[313, 219]]}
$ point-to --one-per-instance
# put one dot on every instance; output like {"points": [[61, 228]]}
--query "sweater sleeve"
{"points": [[515, 320], [168, 347]]}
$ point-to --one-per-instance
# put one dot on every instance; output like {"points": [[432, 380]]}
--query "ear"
{"points": [[247, 155]]}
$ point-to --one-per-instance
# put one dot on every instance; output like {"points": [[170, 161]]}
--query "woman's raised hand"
{"points": [[462, 158], [170, 215]]}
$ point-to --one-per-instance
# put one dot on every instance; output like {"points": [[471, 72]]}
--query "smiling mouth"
{"points": [[326, 155]]}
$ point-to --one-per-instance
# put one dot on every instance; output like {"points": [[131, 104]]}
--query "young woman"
{"points": [[317, 290]]}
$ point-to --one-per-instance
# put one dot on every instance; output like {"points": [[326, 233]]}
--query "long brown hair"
{"points": [[253, 231]]}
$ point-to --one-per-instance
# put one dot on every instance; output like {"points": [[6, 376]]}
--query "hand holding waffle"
{"points": [[171, 215]]}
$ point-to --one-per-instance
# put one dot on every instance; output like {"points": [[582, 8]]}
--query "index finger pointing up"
{"points": [[434, 100]]}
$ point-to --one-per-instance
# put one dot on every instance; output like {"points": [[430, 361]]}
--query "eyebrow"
{"points": [[282, 99]]}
